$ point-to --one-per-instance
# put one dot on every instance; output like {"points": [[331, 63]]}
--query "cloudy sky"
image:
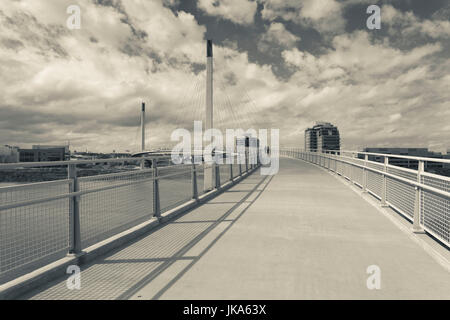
{"points": [[279, 64]]}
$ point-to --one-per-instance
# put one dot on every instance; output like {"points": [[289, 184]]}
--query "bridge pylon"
{"points": [[209, 179]]}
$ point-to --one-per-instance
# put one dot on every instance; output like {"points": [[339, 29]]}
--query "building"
{"points": [[310, 140], [66, 149], [42, 155], [430, 166], [322, 137], [9, 154], [447, 157]]}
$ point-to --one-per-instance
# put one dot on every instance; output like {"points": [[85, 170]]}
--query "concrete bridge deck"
{"points": [[301, 234]]}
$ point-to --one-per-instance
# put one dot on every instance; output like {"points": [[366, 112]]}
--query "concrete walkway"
{"points": [[301, 234]]}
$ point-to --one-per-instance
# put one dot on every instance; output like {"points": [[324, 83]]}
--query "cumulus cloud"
{"points": [[324, 15], [237, 11], [376, 94], [277, 37], [410, 25], [86, 85]]}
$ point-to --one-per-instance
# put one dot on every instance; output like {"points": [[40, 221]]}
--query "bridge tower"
{"points": [[143, 127], [209, 124]]}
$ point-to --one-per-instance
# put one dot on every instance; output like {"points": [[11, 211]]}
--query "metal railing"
{"points": [[421, 197], [44, 221]]}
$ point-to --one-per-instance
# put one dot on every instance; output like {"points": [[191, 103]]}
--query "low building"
{"points": [[9, 154], [46, 147], [447, 157], [43, 155]]}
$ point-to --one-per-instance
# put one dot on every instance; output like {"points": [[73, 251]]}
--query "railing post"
{"points": [[194, 181], [240, 166], [384, 186], [327, 160], [74, 223], [352, 171], [217, 174], [231, 171], [156, 199], [246, 160], [335, 162], [330, 161], [365, 174], [418, 198]]}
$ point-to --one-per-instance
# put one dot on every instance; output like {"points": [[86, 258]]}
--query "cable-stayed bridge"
{"points": [[331, 225]]}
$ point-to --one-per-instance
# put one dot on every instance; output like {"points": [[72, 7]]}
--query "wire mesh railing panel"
{"points": [[338, 166], [173, 170], [401, 196], [374, 183], [358, 175], [436, 208], [31, 235], [235, 170], [375, 165], [200, 180], [33, 191], [358, 163], [347, 170], [113, 179], [108, 212], [224, 170], [333, 164], [175, 190], [404, 173]]}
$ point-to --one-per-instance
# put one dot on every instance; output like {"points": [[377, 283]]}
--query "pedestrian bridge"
{"points": [[303, 233]]}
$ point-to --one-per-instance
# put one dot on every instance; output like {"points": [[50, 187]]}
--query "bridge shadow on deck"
{"points": [[157, 260]]}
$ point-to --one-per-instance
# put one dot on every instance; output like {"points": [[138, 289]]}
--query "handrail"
{"points": [[407, 181], [33, 184], [74, 162], [389, 155]]}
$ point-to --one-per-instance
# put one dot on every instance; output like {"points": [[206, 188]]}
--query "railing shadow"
{"points": [[124, 271]]}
